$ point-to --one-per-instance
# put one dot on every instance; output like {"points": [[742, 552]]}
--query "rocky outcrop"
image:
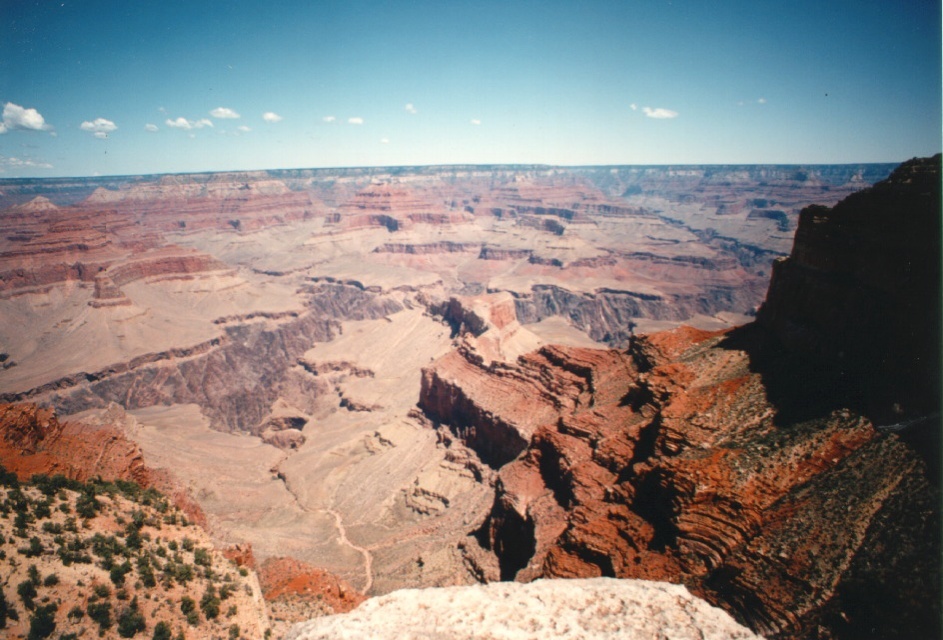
{"points": [[860, 290], [296, 591], [348, 301], [738, 462], [595, 608], [235, 379], [609, 315], [427, 248], [495, 408], [675, 465]]}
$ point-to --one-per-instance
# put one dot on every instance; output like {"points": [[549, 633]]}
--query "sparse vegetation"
{"points": [[75, 578]]}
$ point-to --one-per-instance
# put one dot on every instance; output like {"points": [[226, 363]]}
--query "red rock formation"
{"points": [[718, 459], [287, 578], [34, 441], [670, 464], [241, 555]]}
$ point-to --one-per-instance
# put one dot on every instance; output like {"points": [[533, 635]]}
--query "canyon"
{"points": [[435, 376]]}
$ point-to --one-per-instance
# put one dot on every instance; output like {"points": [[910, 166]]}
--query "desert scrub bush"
{"points": [[52, 527], [101, 590], [4, 610], [43, 622], [34, 550], [131, 621], [202, 557], [162, 631], [118, 572], [87, 505], [209, 603], [27, 591], [187, 604], [100, 612], [42, 509]]}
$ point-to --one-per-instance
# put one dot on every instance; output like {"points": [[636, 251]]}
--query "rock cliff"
{"points": [[742, 463], [860, 290]]}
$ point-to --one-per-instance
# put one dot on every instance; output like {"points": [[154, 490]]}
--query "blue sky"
{"points": [[118, 87]]}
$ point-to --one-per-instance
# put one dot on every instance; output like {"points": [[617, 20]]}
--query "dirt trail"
{"points": [[367, 557]]}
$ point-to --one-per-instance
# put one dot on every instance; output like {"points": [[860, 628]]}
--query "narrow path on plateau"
{"points": [[338, 522], [367, 557]]}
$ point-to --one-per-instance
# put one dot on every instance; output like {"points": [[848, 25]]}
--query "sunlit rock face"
{"points": [[369, 370], [592, 608]]}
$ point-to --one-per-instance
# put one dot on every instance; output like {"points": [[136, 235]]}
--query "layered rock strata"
{"points": [[669, 462], [729, 461]]}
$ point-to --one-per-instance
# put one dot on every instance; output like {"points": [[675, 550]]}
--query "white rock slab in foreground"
{"points": [[570, 609]]}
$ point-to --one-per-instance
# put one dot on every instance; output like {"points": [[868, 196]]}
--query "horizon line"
{"points": [[460, 166]]}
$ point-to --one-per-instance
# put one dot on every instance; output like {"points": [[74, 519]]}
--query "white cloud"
{"points": [[183, 123], [761, 101], [329, 118], [410, 108], [151, 127], [224, 112], [3, 128], [384, 141], [475, 121], [355, 120], [17, 163], [16, 117], [659, 113], [243, 128], [99, 127], [271, 116], [633, 107]]}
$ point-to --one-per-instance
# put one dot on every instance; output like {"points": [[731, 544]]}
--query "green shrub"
{"points": [[209, 603], [43, 622], [100, 612], [187, 604], [27, 591], [131, 622], [4, 608], [102, 590], [202, 557], [162, 631]]}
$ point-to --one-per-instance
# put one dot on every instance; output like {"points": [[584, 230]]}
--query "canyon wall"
{"points": [[742, 463], [861, 289]]}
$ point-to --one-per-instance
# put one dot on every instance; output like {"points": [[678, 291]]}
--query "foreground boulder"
{"points": [[590, 608]]}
